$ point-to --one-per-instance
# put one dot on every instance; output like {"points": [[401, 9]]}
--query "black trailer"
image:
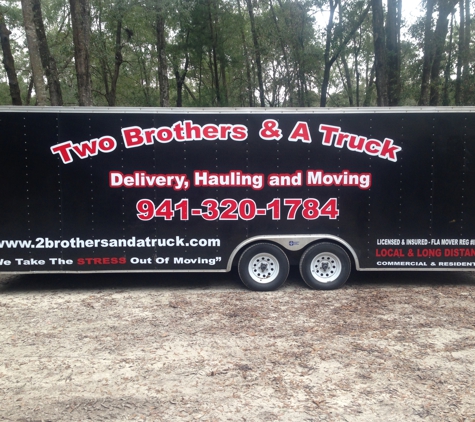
{"points": [[150, 190]]}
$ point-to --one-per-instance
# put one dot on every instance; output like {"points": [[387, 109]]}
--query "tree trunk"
{"points": [[349, 83], [356, 52], [448, 65], [427, 60], [49, 64], [300, 50], [80, 18], [380, 58], [257, 52], [162, 58], [144, 78], [34, 53], [288, 76], [326, 56], [224, 84], [28, 93], [214, 54], [393, 31], [440, 34], [329, 61], [466, 55], [190, 92], [460, 55], [180, 83], [369, 88], [9, 63], [250, 95], [118, 60], [347, 74]]}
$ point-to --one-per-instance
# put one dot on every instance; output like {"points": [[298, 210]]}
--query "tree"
{"points": [[257, 52], [232, 53], [34, 52], [245, 50], [337, 39], [380, 54], [448, 65], [446, 8], [393, 51], [462, 87], [107, 47], [80, 19], [9, 62], [47, 60], [434, 48], [162, 56]]}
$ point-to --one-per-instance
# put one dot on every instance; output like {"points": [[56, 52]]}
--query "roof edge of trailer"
{"points": [[236, 110]]}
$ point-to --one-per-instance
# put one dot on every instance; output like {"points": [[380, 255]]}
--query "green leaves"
{"points": [[208, 53]]}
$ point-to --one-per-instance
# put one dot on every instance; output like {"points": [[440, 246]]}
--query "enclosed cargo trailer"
{"points": [[151, 190]]}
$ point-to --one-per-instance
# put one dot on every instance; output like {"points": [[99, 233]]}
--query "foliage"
{"points": [[211, 58]]}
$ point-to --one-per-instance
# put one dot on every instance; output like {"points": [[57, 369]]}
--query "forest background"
{"points": [[236, 53]]}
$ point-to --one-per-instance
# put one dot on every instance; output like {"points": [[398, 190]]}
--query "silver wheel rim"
{"points": [[263, 268], [325, 267]]}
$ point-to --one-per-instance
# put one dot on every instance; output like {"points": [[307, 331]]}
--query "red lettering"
{"points": [[107, 144], [192, 132], [102, 261], [239, 133], [270, 130], [63, 151], [132, 137], [86, 148], [164, 134], [341, 138], [328, 131], [149, 133], [372, 147], [428, 253], [392, 253], [210, 132], [178, 130], [223, 131], [356, 143], [300, 132], [389, 150], [386, 150]]}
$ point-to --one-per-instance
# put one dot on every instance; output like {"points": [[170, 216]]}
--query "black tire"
{"points": [[325, 266], [263, 267]]}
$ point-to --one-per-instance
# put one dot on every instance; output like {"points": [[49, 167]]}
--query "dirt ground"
{"points": [[200, 347]]}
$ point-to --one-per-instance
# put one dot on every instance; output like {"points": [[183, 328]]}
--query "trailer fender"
{"points": [[294, 243]]}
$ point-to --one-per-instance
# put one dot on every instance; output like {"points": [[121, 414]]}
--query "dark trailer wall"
{"points": [[183, 190]]}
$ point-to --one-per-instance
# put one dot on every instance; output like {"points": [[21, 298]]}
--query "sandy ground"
{"points": [[386, 347]]}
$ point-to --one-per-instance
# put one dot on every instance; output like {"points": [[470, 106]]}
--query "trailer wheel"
{"points": [[325, 266], [263, 267]]}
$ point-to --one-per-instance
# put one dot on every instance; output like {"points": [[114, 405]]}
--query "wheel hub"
{"points": [[326, 267], [264, 268]]}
